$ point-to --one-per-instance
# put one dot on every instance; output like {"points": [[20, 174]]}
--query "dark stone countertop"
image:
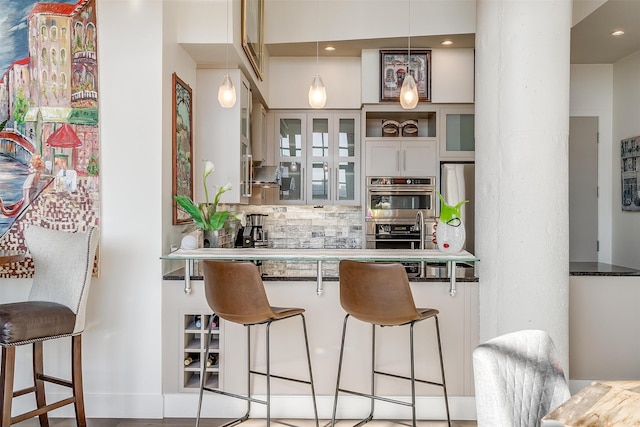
{"points": [[600, 269]]}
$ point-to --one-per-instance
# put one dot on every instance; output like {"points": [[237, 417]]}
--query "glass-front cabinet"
{"points": [[458, 138], [291, 138], [332, 158], [318, 157], [245, 144]]}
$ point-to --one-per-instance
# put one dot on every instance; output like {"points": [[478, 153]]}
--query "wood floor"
{"points": [[209, 422]]}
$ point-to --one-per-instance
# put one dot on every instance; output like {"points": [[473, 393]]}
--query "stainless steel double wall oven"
{"points": [[400, 214]]}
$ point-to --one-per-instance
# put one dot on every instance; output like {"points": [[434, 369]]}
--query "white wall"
{"points": [[122, 360], [626, 123], [200, 28], [592, 96], [290, 79], [309, 20], [452, 75]]}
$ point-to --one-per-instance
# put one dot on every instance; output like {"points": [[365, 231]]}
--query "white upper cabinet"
{"points": [[401, 158], [400, 142], [457, 133], [259, 133], [222, 136], [318, 157]]}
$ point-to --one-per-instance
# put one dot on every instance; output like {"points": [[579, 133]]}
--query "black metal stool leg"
{"points": [[373, 374], [413, 375], [335, 398], [313, 389], [203, 370], [444, 383], [268, 378]]}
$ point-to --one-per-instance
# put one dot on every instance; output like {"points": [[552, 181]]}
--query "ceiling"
{"points": [[591, 40]]}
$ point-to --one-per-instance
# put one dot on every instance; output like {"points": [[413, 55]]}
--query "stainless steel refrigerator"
{"points": [[457, 183]]}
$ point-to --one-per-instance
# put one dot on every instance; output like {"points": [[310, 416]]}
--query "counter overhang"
{"points": [[319, 256]]}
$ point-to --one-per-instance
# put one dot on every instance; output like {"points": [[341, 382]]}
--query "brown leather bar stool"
{"points": [[55, 308], [379, 294], [235, 292]]}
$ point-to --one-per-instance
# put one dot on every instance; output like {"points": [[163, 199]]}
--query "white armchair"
{"points": [[518, 380]]}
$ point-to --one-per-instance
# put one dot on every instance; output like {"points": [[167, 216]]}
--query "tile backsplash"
{"points": [[304, 227]]}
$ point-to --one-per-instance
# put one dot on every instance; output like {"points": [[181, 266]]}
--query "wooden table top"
{"points": [[8, 257], [606, 403]]}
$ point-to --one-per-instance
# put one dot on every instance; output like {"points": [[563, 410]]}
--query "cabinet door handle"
{"points": [[248, 184], [337, 187], [302, 184], [404, 161], [398, 160]]}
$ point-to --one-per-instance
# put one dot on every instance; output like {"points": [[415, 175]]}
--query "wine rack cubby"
{"points": [[194, 344]]}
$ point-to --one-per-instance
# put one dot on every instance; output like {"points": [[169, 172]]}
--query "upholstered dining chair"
{"points": [[55, 308], [518, 379]]}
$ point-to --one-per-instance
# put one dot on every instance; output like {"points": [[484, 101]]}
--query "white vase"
{"points": [[450, 238]]}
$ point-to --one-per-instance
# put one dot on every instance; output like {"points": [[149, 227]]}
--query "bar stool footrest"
{"points": [[387, 374], [279, 377], [237, 396], [371, 396], [242, 419]]}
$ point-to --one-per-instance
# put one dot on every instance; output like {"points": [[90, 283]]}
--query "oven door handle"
{"points": [[399, 190]]}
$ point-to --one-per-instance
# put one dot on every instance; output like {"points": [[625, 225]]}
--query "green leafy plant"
{"points": [[206, 215]]}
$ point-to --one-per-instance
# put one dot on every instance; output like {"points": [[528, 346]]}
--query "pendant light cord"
{"points": [[409, 43], [317, 36], [227, 31]]}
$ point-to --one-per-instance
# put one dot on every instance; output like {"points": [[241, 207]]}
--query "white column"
{"points": [[522, 126]]}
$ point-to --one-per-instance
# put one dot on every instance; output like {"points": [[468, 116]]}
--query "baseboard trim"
{"points": [[102, 405], [182, 405]]}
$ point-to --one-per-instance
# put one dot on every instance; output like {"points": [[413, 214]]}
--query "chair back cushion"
{"points": [[376, 292], [63, 267], [235, 292], [518, 380]]}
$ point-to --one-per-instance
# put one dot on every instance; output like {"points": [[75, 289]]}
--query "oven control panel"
{"points": [[428, 181], [395, 229]]}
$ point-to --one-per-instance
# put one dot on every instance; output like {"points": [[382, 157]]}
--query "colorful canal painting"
{"points": [[49, 128]]}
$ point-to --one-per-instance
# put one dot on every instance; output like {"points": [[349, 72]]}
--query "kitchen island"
{"points": [[458, 321]]}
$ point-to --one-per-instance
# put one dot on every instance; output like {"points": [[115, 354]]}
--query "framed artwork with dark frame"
{"points": [[253, 33], [182, 160], [630, 173], [393, 68]]}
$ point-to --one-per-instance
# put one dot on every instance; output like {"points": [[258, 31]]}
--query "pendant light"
{"points": [[226, 92], [317, 91], [409, 91]]}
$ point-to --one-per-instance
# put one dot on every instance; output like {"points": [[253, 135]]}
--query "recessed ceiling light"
{"points": [[446, 43], [329, 48], [617, 33]]}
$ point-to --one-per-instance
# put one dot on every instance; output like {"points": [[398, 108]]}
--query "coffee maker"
{"points": [[253, 235]]}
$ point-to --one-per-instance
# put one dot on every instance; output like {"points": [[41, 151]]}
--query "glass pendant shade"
{"points": [[227, 93], [409, 93], [317, 93]]}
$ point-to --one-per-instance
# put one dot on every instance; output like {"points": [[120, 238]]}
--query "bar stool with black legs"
{"points": [[379, 294], [235, 292]]}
